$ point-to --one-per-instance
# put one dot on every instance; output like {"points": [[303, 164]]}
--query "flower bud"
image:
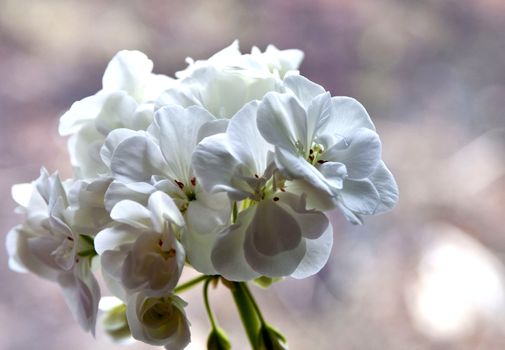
{"points": [[158, 321], [271, 339], [115, 324], [218, 340], [265, 282]]}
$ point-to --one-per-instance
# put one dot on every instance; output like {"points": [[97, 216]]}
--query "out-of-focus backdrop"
{"points": [[428, 275]]}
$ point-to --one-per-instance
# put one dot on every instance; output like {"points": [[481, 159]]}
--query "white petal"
{"points": [[116, 107], [283, 122], [347, 115], [137, 159], [173, 333], [385, 184], [247, 144], [361, 156], [205, 218], [81, 113], [163, 208], [279, 265], [316, 198], [215, 166], [113, 139], [273, 230], [21, 193], [312, 222], [84, 148], [360, 196], [25, 255], [228, 253], [213, 127], [352, 217], [136, 191], [316, 255], [155, 85], [113, 237], [128, 71], [132, 213], [82, 294], [334, 173], [178, 136], [295, 167], [304, 89], [318, 113]]}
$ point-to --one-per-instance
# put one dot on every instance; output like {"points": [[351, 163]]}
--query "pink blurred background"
{"points": [[428, 275]]}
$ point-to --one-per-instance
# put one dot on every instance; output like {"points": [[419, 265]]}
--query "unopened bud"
{"points": [[115, 324], [271, 339], [218, 340]]}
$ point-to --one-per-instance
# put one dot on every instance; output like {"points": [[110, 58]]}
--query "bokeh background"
{"points": [[428, 275]]}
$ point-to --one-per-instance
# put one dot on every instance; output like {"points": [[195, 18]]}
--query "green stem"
{"points": [[207, 304], [247, 311], [191, 283], [254, 304]]}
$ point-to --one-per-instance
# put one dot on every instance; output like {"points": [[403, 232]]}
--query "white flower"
{"points": [[330, 145], [228, 80], [125, 101], [141, 253], [278, 62], [274, 234], [160, 160], [159, 321], [49, 245]]}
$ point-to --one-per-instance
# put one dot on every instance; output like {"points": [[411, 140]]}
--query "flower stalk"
{"points": [[247, 309], [191, 283]]}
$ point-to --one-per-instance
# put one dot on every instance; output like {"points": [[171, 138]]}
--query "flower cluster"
{"points": [[228, 168]]}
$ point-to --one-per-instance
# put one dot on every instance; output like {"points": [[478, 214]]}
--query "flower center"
{"points": [[315, 154]]}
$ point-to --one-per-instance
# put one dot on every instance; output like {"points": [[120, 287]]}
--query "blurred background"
{"points": [[428, 275]]}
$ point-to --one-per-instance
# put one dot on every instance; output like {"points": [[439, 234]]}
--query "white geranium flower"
{"points": [[160, 160], [274, 234], [125, 101], [228, 80], [330, 145], [159, 321], [50, 245], [277, 61], [141, 252]]}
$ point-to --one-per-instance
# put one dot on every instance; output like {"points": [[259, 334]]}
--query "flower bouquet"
{"points": [[227, 169]]}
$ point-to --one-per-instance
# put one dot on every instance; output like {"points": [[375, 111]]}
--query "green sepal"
{"points": [[265, 282], [218, 340], [271, 339]]}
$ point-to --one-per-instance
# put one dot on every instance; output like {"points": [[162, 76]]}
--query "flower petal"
{"points": [[137, 159], [304, 89], [295, 167], [112, 238], [385, 184], [82, 294], [116, 107], [216, 167], [360, 196], [128, 71], [246, 143], [132, 213], [317, 253], [361, 153], [178, 135], [114, 138], [228, 255], [137, 191], [283, 122], [273, 229], [347, 115]]}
